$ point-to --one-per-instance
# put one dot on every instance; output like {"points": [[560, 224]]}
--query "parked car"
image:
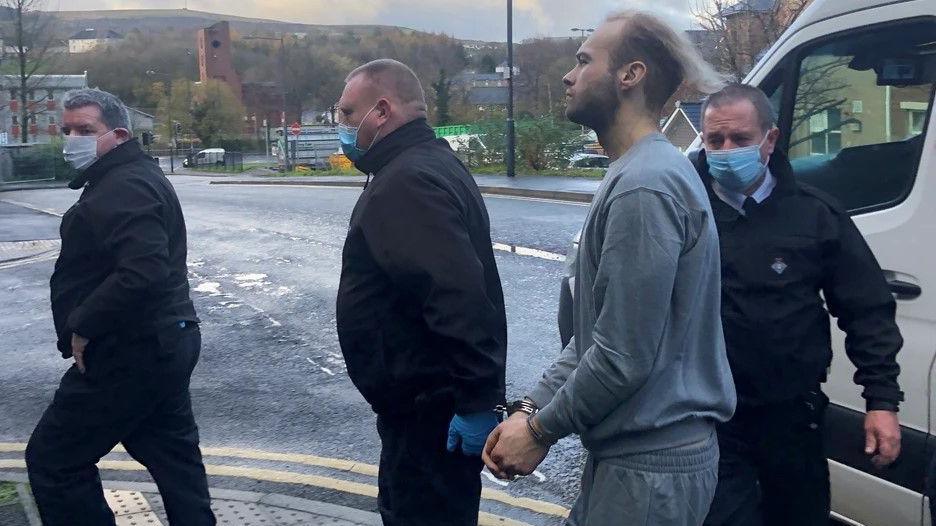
{"points": [[588, 160]]}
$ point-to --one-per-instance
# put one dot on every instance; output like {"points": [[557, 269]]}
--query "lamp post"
{"points": [[172, 137], [582, 30], [511, 136], [282, 68]]}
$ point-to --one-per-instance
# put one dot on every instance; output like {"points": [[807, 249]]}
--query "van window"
{"points": [[860, 110]]}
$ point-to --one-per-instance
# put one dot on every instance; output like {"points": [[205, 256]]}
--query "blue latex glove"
{"points": [[471, 431]]}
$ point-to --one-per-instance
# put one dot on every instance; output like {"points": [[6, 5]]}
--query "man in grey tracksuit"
{"points": [[646, 378]]}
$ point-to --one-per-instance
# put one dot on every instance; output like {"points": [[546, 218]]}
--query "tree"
{"points": [[488, 65], [443, 96], [216, 113], [33, 36], [541, 64], [743, 29], [174, 106]]}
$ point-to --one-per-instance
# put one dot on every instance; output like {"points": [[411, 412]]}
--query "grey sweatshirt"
{"points": [[647, 368]]}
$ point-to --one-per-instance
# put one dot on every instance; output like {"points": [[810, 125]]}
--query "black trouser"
{"points": [[136, 394], [420, 482], [773, 469]]}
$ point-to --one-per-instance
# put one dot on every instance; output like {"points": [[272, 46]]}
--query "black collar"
{"points": [[122, 154], [410, 134]]}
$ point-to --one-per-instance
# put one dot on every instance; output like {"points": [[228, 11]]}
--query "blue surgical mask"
{"points": [[348, 135], [736, 169]]}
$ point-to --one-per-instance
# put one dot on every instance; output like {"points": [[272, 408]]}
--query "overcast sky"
{"points": [[467, 19]]}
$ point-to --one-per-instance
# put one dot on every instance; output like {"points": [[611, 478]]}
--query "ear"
{"points": [[383, 110], [122, 135], [630, 75], [771, 143]]}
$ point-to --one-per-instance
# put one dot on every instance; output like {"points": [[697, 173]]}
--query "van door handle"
{"points": [[901, 287]]}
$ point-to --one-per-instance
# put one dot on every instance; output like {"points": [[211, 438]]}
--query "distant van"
{"points": [[209, 156]]}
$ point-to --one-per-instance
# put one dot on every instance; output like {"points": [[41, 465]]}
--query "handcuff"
{"points": [[529, 408], [522, 406]]}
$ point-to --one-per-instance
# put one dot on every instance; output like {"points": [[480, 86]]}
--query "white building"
{"points": [[91, 39]]}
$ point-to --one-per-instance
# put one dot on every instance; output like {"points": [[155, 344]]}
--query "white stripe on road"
{"points": [[526, 251], [32, 207]]}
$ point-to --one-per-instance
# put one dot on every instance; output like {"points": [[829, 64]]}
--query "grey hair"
{"points": [[394, 76], [114, 113], [734, 92], [670, 57]]}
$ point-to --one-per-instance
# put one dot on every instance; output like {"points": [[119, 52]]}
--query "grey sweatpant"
{"points": [[670, 487]]}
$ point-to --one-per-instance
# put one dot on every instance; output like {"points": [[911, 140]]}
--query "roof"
{"points": [[757, 6], [95, 34], [488, 95], [47, 81], [691, 111], [479, 77], [143, 113]]}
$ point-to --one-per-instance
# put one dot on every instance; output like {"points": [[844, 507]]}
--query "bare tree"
{"points": [[744, 28], [33, 36]]}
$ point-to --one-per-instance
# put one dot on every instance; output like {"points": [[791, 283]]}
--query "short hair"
{"points": [[114, 113], [393, 76], [736, 92], [670, 58]]}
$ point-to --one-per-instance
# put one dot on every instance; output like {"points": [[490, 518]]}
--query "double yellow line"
{"points": [[270, 475]]}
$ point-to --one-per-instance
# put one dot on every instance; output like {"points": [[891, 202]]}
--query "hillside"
{"points": [[157, 20]]}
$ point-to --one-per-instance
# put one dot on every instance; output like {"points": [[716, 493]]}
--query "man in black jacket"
{"points": [[782, 243], [420, 311], [121, 307]]}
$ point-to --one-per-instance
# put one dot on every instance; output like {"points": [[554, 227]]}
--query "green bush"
{"points": [[37, 162], [542, 143]]}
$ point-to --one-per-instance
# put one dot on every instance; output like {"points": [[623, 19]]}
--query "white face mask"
{"points": [[81, 150]]}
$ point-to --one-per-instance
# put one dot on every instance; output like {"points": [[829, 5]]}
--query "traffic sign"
{"points": [[296, 129]]}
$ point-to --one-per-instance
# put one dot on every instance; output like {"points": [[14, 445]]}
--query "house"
{"points": [[43, 107], [684, 125], [91, 39], [488, 96], [141, 121]]}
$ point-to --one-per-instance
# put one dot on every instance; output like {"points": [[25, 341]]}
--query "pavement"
{"points": [[139, 504], [573, 189]]}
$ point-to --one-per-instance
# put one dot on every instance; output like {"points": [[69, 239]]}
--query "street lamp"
{"points": [[582, 30], [172, 138], [282, 69], [511, 142]]}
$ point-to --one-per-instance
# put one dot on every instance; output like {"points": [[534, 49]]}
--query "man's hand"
{"points": [[882, 437], [511, 450], [78, 344]]}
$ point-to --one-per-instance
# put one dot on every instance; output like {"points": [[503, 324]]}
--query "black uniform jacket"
{"points": [[776, 260], [121, 273], [420, 310]]}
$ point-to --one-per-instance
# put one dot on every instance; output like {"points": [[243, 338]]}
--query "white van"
{"points": [[207, 157], [852, 82]]}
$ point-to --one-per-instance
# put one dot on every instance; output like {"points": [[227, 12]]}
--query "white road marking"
{"points": [[526, 251], [33, 207], [493, 479]]}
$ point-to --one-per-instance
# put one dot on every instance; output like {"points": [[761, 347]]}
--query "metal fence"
{"points": [[21, 163]]}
